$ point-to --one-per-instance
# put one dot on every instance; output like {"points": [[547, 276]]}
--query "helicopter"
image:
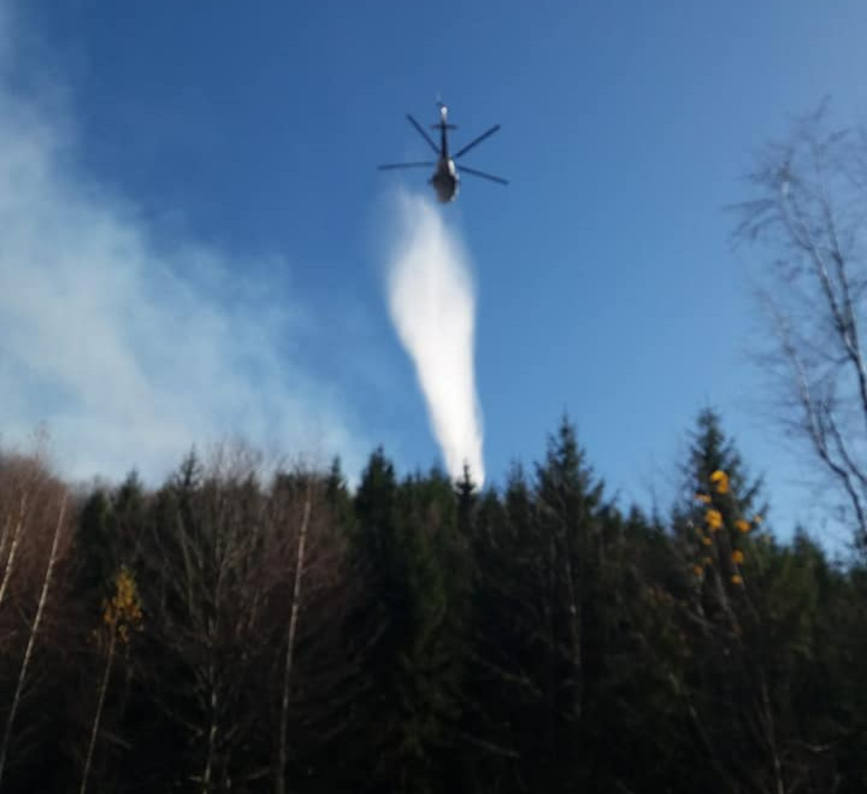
{"points": [[446, 176]]}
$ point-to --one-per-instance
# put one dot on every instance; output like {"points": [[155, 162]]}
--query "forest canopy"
{"points": [[233, 630]]}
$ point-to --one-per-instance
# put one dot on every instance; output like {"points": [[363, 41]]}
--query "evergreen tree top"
{"points": [[712, 451], [564, 468]]}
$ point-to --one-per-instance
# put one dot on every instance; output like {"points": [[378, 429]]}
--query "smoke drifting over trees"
{"points": [[239, 629]]}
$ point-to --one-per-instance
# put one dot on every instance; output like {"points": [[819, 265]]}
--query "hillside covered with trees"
{"points": [[239, 631]]}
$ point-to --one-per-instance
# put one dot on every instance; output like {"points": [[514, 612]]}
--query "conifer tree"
{"points": [[408, 550], [751, 614]]}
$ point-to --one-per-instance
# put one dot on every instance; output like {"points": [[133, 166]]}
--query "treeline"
{"points": [[232, 632]]}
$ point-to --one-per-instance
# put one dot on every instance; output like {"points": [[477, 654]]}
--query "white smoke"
{"points": [[432, 305], [129, 346]]}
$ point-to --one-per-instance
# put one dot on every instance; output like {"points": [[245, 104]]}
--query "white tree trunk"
{"points": [[280, 777], [95, 730], [13, 548], [34, 629]]}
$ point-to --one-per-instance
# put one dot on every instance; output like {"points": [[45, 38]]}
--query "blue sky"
{"points": [[236, 146]]}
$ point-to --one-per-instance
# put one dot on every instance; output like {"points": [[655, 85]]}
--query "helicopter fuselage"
{"points": [[445, 180]]}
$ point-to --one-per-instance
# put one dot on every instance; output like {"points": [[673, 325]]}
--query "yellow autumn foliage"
{"points": [[123, 610], [714, 519], [721, 480]]}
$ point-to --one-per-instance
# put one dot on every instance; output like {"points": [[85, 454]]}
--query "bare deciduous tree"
{"points": [[21, 477], [294, 609], [207, 589], [34, 628], [308, 599], [809, 210]]}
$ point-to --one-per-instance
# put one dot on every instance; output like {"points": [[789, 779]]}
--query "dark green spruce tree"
{"points": [[408, 553]]}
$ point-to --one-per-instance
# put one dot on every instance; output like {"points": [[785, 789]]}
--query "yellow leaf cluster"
{"points": [[737, 557], [703, 498], [124, 608], [721, 480], [737, 579], [714, 519], [742, 525]]}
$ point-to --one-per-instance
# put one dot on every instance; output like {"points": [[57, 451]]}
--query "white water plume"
{"points": [[432, 305]]}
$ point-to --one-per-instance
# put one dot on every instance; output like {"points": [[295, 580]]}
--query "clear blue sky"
{"points": [[606, 282]]}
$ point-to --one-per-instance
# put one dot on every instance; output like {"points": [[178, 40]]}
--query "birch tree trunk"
{"points": [[102, 689], [4, 538], [34, 629], [13, 548], [212, 732], [280, 776]]}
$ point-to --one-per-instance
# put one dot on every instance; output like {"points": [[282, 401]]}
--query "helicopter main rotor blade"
{"points": [[387, 166], [477, 141], [464, 170], [423, 133]]}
